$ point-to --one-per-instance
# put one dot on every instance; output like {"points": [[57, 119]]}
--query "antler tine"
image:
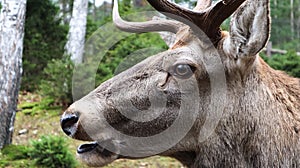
{"points": [[222, 10], [172, 10], [208, 20], [141, 27], [202, 5]]}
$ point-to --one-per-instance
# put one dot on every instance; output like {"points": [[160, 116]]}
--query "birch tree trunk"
{"points": [[12, 18], [76, 36]]}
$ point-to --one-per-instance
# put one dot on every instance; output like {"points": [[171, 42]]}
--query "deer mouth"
{"points": [[97, 154]]}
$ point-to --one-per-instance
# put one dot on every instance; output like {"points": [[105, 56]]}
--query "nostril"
{"points": [[68, 122]]}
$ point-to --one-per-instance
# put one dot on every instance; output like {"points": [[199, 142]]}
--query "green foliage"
{"points": [[16, 156], [16, 152], [4, 163], [285, 33], [27, 107], [290, 63], [91, 27], [57, 84], [52, 152], [44, 40], [126, 47], [45, 105]]}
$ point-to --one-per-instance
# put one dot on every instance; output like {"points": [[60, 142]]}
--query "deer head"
{"points": [[169, 103]]}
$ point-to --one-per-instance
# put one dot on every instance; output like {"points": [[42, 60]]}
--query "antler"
{"points": [[208, 19], [148, 26], [204, 17]]}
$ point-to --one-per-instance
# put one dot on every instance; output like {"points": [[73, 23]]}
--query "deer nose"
{"points": [[68, 123]]}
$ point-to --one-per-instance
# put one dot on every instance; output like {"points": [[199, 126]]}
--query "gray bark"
{"points": [[12, 18], [76, 36], [292, 18]]}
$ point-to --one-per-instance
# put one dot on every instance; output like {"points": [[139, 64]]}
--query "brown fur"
{"points": [[260, 125]]}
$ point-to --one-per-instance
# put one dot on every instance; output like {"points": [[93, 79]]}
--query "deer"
{"points": [[208, 101]]}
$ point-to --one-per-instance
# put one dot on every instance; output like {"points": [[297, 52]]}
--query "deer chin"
{"points": [[96, 154]]}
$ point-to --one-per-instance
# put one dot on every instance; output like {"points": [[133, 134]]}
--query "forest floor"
{"points": [[30, 127]]}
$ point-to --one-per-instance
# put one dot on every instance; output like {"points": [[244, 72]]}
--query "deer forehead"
{"points": [[187, 37]]}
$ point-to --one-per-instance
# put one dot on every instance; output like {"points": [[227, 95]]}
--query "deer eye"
{"points": [[183, 71]]}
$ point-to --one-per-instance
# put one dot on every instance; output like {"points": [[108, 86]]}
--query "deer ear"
{"points": [[249, 29]]}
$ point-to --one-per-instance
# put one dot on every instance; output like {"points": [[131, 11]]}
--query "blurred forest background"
{"points": [[46, 87]]}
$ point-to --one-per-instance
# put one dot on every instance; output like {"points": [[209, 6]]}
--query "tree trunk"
{"points": [[76, 36], [12, 18], [292, 18]]}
